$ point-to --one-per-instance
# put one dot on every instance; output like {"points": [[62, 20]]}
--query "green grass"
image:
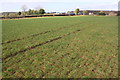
{"points": [[88, 53]]}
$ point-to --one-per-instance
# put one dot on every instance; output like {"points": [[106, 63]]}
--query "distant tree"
{"points": [[19, 13], [38, 8], [36, 12], [41, 11], [85, 12], [24, 8], [7, 14], [101, 13], [33, 11], [30, 12], [77, 11]]}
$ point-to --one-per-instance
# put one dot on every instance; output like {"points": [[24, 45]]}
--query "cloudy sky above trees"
{"points": [[58, 5]]}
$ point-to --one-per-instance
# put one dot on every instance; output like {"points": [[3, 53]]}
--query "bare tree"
{"points": [[38, 8], [24, 8]]}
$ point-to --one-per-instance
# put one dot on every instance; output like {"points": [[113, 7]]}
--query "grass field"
{"points": [[61, 47]]}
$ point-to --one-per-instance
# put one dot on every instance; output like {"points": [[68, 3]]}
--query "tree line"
{"points": [[85, 12], [41, 11], [32, 12], [25, 12]]}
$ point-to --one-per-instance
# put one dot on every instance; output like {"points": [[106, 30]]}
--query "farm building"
{"points": [[113, 14], [94, 12], [70, 13]]}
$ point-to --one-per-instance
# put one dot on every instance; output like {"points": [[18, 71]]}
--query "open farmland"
{"points": [[61, 47]]}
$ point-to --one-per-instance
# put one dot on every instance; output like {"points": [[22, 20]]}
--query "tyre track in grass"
{"points": [[34, 35], [56, 61], [37, 34], [68, 71], [32, 47], [24, 50], [62, 56], [11, 41], [53, 63]]}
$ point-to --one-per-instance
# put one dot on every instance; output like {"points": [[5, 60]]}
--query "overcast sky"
{"points": [[59, 5]]}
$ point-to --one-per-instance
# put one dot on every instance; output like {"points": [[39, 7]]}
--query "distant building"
{"points": [[94, 12], [70, 13], [113, 14], [80, 13], [108, 13]]}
